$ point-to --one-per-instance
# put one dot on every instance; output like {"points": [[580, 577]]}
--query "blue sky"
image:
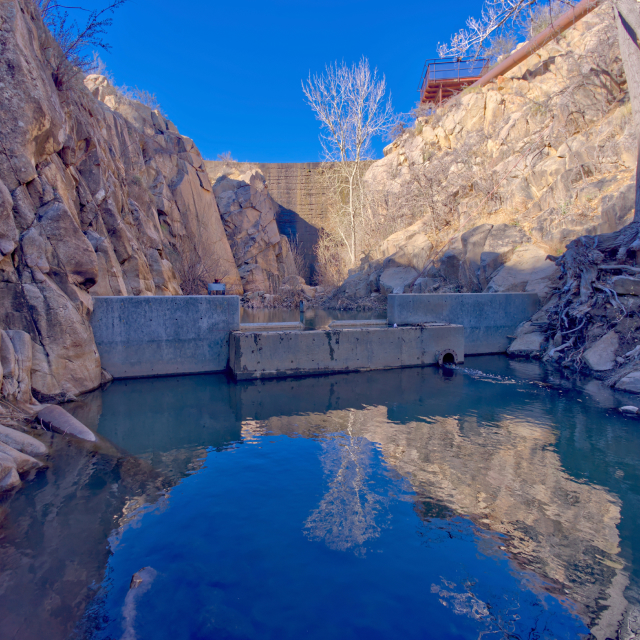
{"points": [[228, 73]]}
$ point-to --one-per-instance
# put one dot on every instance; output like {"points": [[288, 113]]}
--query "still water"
{"points": [[498, 500], [311, 318]]}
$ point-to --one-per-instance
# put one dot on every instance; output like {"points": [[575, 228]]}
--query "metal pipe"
{"points": [[557, 27]]}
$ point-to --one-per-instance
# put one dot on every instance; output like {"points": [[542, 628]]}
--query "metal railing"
{"points": [[437, 70]]}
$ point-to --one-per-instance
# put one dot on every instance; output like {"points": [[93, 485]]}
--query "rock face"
{"points": [[500, 177], [99, 195], [248, 211]]}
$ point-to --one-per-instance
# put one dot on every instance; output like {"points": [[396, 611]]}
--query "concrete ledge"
{"points": [[271, 326], [302, 353], [488, 318], [139, 336]]}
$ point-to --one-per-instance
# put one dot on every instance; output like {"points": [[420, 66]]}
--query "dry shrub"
{"points": [[194, 268], [331, 261], [298, 257]]}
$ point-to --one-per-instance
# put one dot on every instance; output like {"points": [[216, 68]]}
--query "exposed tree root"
{"points": [[586, 305]]}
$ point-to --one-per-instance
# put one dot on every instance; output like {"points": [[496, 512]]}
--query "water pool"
{"points": [[312, 318], [494, 501]]}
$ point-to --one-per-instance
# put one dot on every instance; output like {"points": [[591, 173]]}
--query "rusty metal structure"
{"points": [[559, 25], [444, 77]]}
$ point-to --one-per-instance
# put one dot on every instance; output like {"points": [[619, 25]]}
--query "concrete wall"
{"points": [[487, 318], [139, 336], [299, 353]]}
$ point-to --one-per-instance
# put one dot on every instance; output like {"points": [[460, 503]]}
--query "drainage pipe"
{"points": [[447, 358], [557, 27]]}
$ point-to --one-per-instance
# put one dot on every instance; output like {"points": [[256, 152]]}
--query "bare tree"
{"points": [[349, 102], [494, 17], [76, 39]]}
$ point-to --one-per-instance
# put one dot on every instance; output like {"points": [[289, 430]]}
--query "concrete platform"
{"points": [[488, 318], [302, 353], [141, 336]]}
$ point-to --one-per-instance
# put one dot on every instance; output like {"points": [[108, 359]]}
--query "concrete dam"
{"points": [[146, 336], [299, 190]]}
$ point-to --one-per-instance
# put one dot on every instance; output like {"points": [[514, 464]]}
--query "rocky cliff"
{"points": [[499, 177], [99, 195], [248, 211]]}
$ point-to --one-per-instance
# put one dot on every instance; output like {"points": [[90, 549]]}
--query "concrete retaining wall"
{"points": [[487, 318], [139, 336], [299, 353]]}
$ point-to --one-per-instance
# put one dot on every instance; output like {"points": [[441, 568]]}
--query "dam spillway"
{"points": [[171, 335]]}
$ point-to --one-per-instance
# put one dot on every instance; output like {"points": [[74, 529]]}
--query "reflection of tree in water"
{"points": [[346, 515]]}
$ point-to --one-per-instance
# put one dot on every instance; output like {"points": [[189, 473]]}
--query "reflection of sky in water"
{"points": [[498, 499], [317, 538]]}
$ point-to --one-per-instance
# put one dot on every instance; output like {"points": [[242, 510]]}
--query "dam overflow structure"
{"points": [[147, 336], [301, 194]]}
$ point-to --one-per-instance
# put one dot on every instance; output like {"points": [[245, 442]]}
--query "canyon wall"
{"points": [[99, 195], [263, 256], [497, 178]]}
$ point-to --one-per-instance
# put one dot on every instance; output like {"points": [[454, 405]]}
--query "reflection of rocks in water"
{"points": [[506, 476], [346, 516], [55, 531]]}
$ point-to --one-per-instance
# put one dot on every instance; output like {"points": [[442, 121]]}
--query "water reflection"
{"points": [[351, 511], [311, 318], [504, 495]]}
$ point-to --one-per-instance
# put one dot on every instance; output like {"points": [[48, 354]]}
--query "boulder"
{"points": [[529, 344], [58, 420], [9, 478], [629, 409], [397, 280], [626, 286], [631, 382], [527, 270], [357, 285], [602, 355], [22, 442], [22, 461], [501, 244], [424, 285], [248, 213], [308, 291]]}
